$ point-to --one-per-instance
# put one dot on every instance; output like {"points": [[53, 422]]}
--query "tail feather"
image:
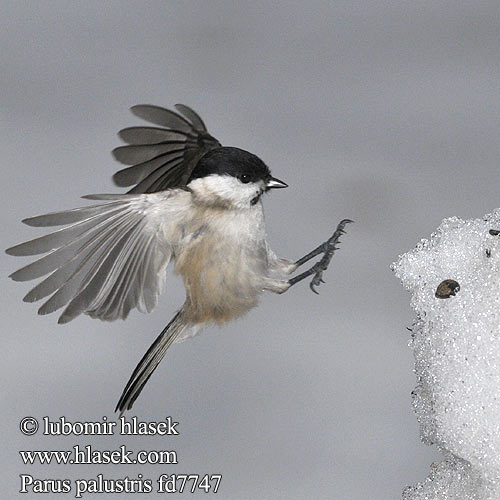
{"points": [[150, 361]]}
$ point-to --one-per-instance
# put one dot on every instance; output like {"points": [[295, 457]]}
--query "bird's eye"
{"points": [[245, 178]]}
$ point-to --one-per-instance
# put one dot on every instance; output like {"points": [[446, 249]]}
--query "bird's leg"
{"points": [[327, 249]]}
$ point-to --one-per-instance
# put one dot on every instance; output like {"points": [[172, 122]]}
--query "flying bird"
{"points": [[193, 202]]}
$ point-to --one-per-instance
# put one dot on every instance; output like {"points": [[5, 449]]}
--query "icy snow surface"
{"points": [[456, 344]]}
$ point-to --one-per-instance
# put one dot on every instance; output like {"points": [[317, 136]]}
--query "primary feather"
{"points": [[162, 158], [108, 259]]}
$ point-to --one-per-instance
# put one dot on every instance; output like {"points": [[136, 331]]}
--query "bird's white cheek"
{"points": [[226, 188]]}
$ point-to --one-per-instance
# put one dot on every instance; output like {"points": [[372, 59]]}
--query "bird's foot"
{"points": [[328, 248]]}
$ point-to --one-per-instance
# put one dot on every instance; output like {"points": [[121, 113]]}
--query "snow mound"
{"points": [[454, 281]]}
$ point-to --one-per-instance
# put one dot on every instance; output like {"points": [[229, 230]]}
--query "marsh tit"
{"points": [[195, 203]]}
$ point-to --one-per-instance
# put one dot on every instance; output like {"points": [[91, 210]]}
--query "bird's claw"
{"points": [[316, 281], [320, 266], [330, 246]]}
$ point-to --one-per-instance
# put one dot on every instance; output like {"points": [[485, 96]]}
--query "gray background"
{"points": [[384, 112]]}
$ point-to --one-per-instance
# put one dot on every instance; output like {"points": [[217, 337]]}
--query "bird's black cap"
{"points": [[234, 162]]}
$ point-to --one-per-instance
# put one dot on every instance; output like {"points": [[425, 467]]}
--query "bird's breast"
{"points": [[222, 263]]}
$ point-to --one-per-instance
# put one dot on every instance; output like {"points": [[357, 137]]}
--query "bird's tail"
{"points": [[147, 365]]}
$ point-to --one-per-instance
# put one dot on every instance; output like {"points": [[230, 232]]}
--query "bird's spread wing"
{"points": [[162, 157], [109, 258]]}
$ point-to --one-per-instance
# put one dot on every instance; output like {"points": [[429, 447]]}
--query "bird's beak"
{"points": [[275, 183]]}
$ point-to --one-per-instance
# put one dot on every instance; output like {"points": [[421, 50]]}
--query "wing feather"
{"points": [[131, 155], [192, 116], [160, 174], [58, 238], [117, 303], [82, 271], [67, 271], [161, 116], [137, 173], [150, 135], [64, 253], [151, 149], [100, 284], [112, 260], [65, 217]]}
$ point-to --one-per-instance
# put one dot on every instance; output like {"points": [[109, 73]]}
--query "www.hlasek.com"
{"points": [[88, 454]]}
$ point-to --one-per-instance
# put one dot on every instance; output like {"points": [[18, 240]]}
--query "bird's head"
{"points": [[231, 178]]}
